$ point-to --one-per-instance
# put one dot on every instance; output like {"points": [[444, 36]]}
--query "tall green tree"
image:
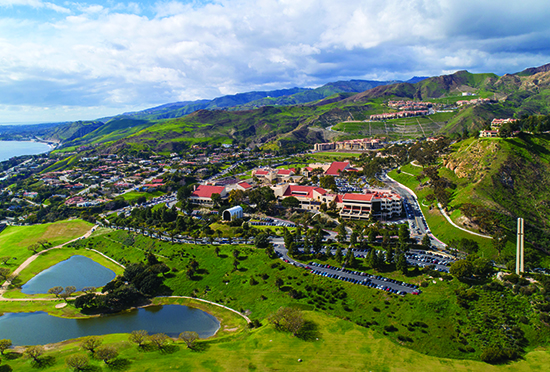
{"points": [[401, 263]]}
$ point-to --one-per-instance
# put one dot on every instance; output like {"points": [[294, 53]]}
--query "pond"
{"points": [[79, 271], [39, 328]]}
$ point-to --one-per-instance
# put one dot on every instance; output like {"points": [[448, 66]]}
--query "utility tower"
{"points": [[520, 248]]}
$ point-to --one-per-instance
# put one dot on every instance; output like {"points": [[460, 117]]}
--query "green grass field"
{"points": [[15, 240], [134, 195]]}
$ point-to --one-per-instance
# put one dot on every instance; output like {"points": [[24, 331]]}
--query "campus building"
{"points": [[382, 204], [356, 145], [203, 194]]}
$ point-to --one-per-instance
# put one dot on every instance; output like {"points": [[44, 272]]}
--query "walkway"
{"points": [[211, 303], [458, 227]]}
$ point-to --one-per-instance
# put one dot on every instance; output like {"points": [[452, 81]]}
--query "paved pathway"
{"points": [[458, 227]]}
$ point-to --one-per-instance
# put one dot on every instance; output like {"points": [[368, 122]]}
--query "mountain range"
{"points": [[295, 118]]}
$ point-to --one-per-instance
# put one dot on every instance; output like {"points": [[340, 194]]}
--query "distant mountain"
{"points": [[251, 100], [534, 70]]}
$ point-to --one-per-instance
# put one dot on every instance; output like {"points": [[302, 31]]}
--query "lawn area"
{"points": [[14, 240], [252, 288], [340, 346], [133, 195]]}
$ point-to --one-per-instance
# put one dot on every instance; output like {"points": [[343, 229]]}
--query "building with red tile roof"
{"points": [[203, 194], [337, 167], [310, 197], [244, 186]]}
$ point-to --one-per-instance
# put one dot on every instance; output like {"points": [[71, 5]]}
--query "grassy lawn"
{"points": [[14, 240], [133, 195], [340, 346]]}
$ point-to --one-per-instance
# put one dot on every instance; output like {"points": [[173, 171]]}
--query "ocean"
{"points": [[10, 149]]}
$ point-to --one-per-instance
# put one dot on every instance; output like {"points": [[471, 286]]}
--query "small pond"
{"points": [[40, 328], [79, 271]]}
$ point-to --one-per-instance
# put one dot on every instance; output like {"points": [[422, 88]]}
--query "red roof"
{"points": [[303, 191], [244, 185], [337, 167], [358, 197], [309, 169], [206, 191], [157, 180], [261, 172], [285, 172]]}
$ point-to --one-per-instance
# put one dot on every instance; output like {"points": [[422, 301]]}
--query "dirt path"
{"points": [[28, 261]]}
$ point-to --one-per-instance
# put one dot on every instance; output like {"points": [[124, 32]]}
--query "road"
{"points": [[417, 221]]}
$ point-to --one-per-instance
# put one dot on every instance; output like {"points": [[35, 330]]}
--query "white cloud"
{"points": [[120, 55]]}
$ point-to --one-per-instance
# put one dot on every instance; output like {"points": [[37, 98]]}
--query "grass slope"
{"points": [[14, 240], [341, 346]]}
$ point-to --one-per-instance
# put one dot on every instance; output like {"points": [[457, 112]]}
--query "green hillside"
{"points": [[508, 177]]}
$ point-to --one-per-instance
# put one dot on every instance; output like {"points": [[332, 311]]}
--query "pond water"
{"points": [[40, 328], [79, 271]]}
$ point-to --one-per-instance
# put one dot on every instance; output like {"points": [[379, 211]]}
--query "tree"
{"points": [[216, 200], [288, 319], [91, 343], [403, 234], [390, 255], [35, 352], [350, 258], [342, 233], [138, 337], [307, 245], [482, 267], [4, 345], [261, 240], [4, 273], [106, 353], [461, 269], [89, 289], [328, 182], [189, 338], [401, 263], [69, 290], [372, 260], [426, 242], [160, 340], [339, 257], [353, 238], [371, 236], [56, 290], [77, 362], [43, 243], [34, 248], [279, 283], [290, 202], [5, 259]]}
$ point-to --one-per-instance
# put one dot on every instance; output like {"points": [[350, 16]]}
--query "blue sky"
{"points": [[66, 60]]}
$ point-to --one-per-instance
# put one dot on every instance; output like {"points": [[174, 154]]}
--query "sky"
{"points": [[65, 60]]}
